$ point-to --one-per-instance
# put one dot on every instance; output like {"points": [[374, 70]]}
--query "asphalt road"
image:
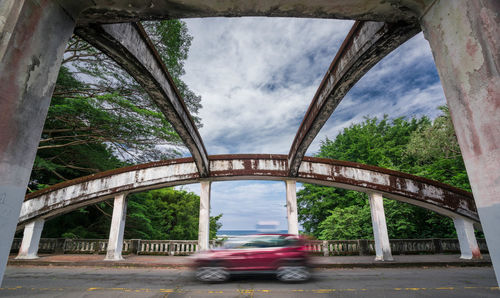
{"points": [[110, 282]]}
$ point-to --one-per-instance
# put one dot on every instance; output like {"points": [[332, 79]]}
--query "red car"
{"points": [[282, 254]]}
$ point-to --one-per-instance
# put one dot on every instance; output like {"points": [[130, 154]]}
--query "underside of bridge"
{"points": [[464, 37]]}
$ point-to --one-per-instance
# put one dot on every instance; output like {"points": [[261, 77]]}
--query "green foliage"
{"points": [[172, 40], [417, 146], [315, 204], [101, 119], [352, 222], [158, 214], [436, 153]]}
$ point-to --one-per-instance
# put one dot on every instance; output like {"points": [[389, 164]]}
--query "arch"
{"points": [[129, 46], [365, 45], [70, 195]]}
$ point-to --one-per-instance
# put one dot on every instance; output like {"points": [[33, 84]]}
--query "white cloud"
{"points": [[245, 203], [403, 84], [257, 77]]}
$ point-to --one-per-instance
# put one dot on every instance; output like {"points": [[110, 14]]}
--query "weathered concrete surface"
{"points": [[115, 243], [414, 190], [465, 40], [9, 14], [382, 245], [31, 48], [31, 239], [204, 219], [104, 11], [365, 45], [291, 207], [467, 239], [131, 48], [88, 190], [71, 195]]}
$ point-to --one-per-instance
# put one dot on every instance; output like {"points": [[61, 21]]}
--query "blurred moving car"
{"points": [[281, 254]]}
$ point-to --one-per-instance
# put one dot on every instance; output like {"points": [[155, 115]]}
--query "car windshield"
{"points": [[260, 241]]}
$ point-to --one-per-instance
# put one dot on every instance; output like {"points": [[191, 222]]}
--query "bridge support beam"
{"points": [[382, 245], [291, 207], [115, 242], [463, 36], [31, 240], [467, 239], [204, 224], [29, 64]]}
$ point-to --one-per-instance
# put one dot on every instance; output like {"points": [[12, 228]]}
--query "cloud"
{"points": [[403, 84], [245, 203], [257, 77]]}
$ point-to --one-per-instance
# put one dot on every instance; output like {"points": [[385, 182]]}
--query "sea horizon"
{"points": [[241, 232]]}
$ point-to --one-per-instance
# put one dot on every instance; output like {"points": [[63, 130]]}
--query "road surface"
{"points": [[150, 282]]}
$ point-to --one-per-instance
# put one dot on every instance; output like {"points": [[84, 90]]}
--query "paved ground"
{"points": [[40, 281], [438, 260]]}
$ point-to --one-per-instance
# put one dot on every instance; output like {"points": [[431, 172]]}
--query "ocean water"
{"points": [[221, 233]]}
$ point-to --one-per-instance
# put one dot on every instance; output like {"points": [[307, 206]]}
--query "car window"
{"points": [[260, 241]]}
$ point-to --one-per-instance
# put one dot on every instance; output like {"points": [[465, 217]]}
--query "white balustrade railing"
{"points": [[188, 247]]}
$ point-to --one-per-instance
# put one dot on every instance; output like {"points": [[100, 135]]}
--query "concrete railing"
{"points": [[187, 247], [398, 246], [130, 246], [167, 247]]}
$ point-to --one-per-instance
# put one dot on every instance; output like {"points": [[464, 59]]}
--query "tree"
{"points": [[157, 214], [98, 107], [436, 153], [396, 144], [166, 214], [101, 119], [352, 222]]}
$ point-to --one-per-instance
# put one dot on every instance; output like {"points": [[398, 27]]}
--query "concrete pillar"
{"points": [[382, 245], [464, 37], [31, 240], [32, 42], [291, 207], [115, 242], [204, 221], [467, 239]]}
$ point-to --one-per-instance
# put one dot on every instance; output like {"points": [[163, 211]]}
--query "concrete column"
{"points": [[467, 239], [31, 240], [204, 221], [464, 37], [291, 207], [32, 42], [382, 245], [115, 242]]}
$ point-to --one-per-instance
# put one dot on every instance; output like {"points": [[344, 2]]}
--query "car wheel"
{"points": [[293, 273], [212, 274]]}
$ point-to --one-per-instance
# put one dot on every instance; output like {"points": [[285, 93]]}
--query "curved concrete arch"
{"points": [[365, 45], [70, 195], [129, 46]]}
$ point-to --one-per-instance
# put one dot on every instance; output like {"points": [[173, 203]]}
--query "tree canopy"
{"points": [[99, 119], [416, 146], [158, 214]]}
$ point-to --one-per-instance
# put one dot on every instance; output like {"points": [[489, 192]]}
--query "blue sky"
{"points": [[257, 77]]}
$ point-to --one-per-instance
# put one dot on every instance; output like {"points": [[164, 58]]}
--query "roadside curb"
{"points": [[405, 265], [110, 264], [119, 264]]}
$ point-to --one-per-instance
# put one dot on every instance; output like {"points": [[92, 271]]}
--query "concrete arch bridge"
{"points": [[375, 181], [463, 35]]}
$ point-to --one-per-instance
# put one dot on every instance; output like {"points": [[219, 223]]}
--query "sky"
{"points": [[257, 77]]}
